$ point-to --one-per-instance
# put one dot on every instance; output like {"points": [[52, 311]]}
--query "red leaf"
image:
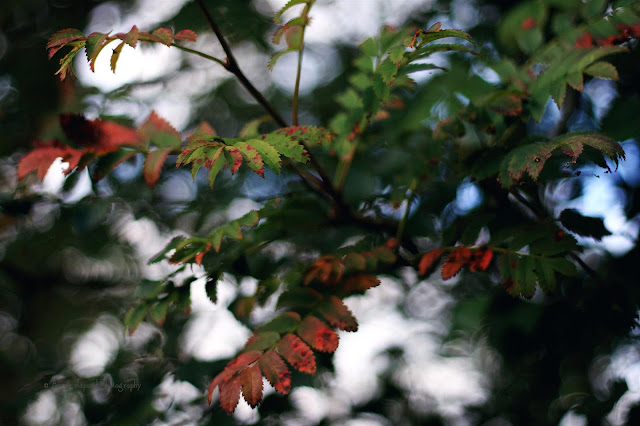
{"points": [[328, 270], [276, 372], [337, 314], [186, 35], [459, 257], [429, 260], [318, 334], [297, 353], [251, 380], [235, 365], [153, 166], [163, 35], [230, 394], [481, 258], [96, 135], [40, 159], [360, 282]]}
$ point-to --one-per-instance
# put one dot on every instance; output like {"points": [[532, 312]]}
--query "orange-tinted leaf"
{"points": [[115, 56], [251, 380], [200, 255], [163, 35], [252, 157], [318, 334], [186, 35], [230, 394], [459, 257], [131, 38], [297, 353], [40, 159], [429, 260], [337, 314], [153, 166], [481, 259], [359, 282], [328, 270], [276, 372]]}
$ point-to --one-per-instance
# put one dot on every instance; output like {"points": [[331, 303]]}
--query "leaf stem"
{"points": [[197, 52], [294, 107], [405, 216]]}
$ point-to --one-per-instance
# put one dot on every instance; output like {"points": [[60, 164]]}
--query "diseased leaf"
{"points": [[480, 259], [269, 154], [297, 353], [159, 132], [337, 314], [233, 158], [237, 364], [252, 157], [153, 165], [318, 334], [276, 372]]}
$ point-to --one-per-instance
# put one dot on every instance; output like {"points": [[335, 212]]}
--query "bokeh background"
{"points": [[72, 253]]}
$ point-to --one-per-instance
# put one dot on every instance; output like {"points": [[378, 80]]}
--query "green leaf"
{"points": [[134, 317], [149, 289], [261, 341], [290, 4], [602, 70], [173, 244], [387, 70], [62, 38], [276, 56], [211, 286], [158, 312], [106, 163], [283, 323], [369, 47], [583, 225], [95, 43]]}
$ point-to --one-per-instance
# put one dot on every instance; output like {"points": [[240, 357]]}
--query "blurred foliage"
{"points": [[66, 265]]}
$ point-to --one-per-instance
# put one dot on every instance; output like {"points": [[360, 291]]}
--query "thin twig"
{"points": [[294, 107]]}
